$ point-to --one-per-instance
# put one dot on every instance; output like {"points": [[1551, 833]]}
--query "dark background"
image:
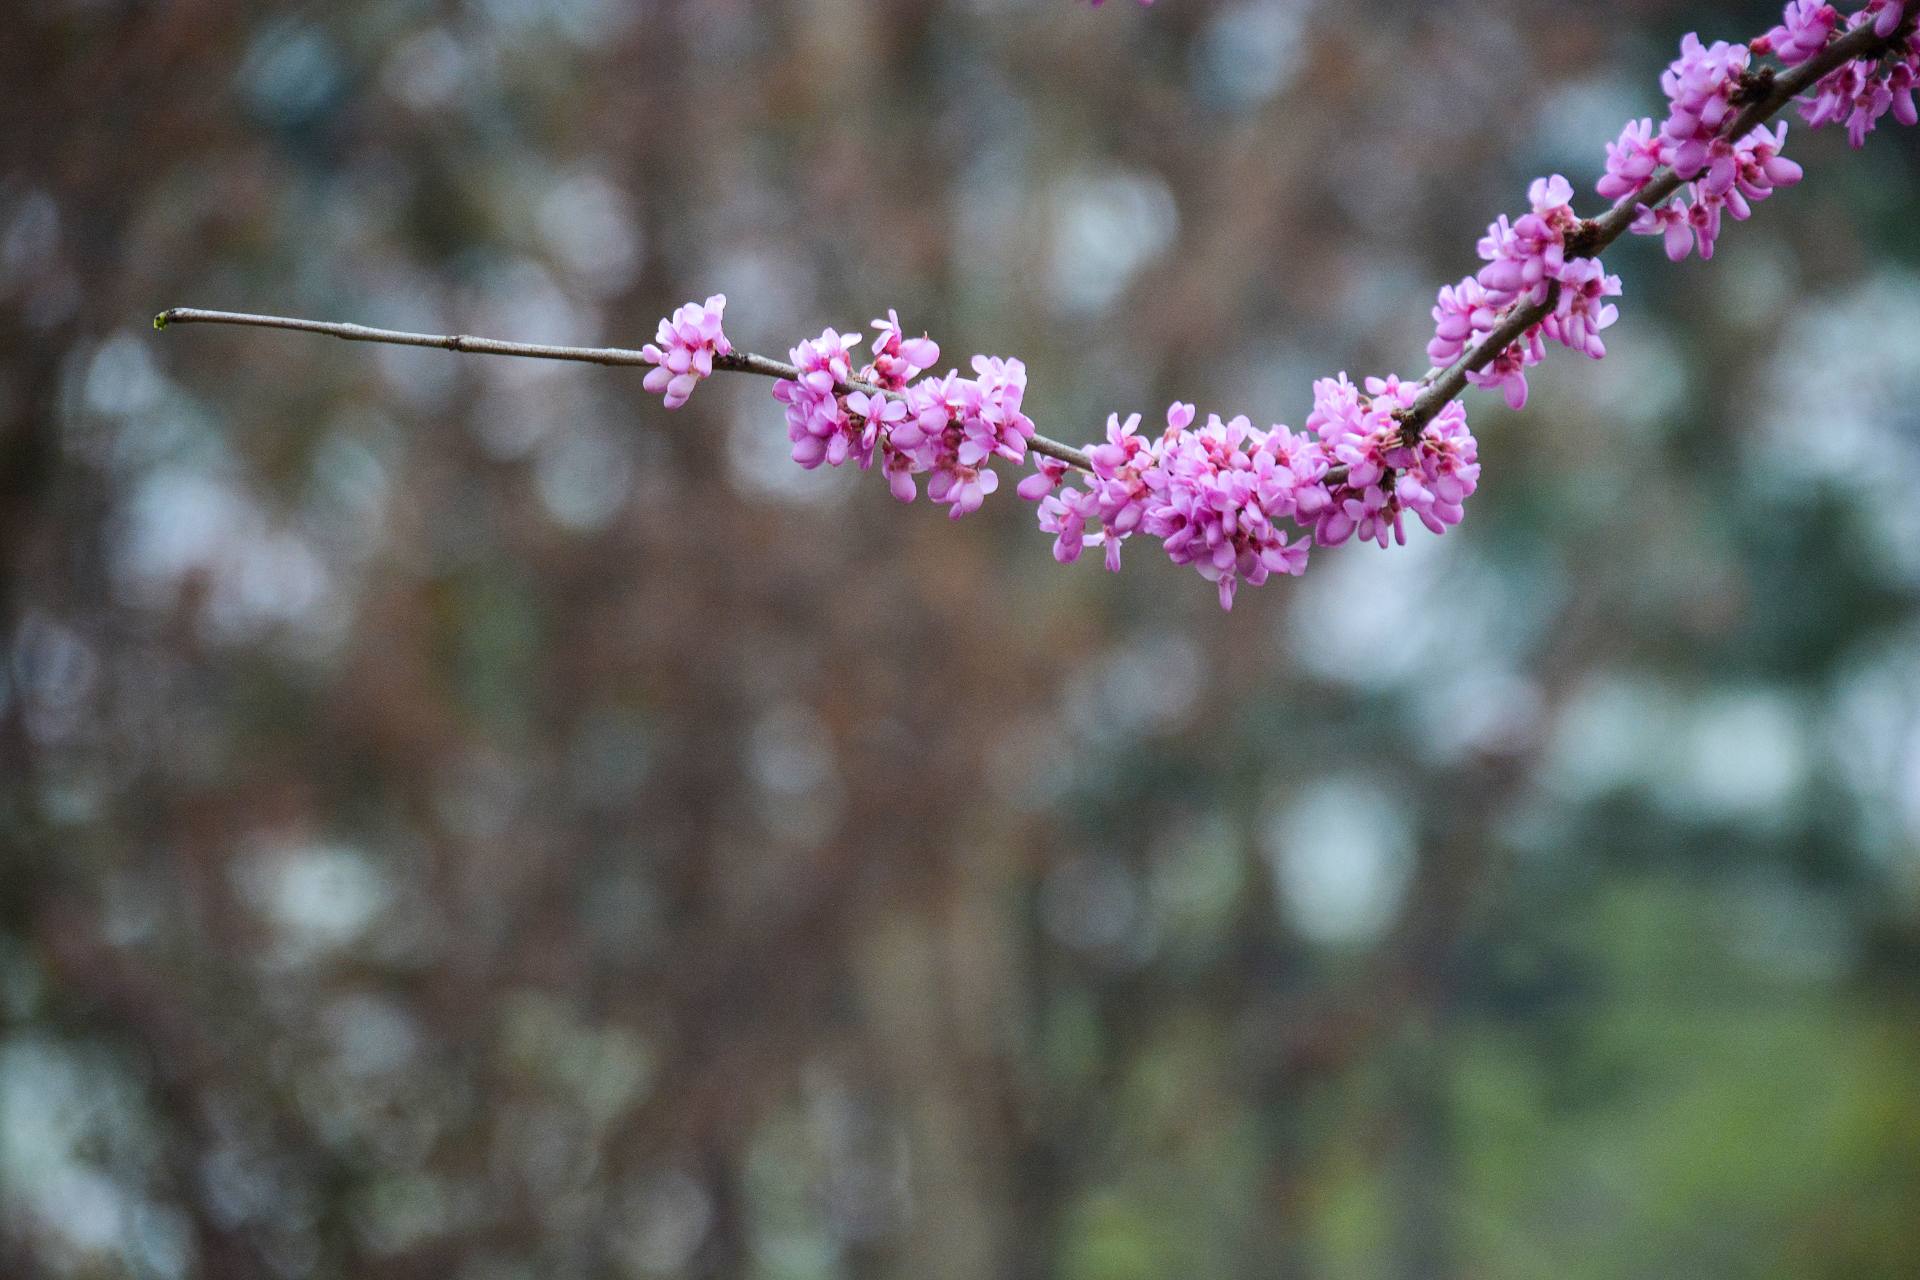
{"points": [[463, 822]]}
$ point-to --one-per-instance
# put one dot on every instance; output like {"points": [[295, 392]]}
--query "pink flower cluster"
{"points": [[1227, 498], [1726, 175], [1702, 86], [1856, 93], [1526, 260], [683, 349], [945, 428], [1532, 258], [1742, 174], [1218, 497]]}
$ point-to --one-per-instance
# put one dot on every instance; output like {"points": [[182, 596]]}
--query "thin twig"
{"points": [[738, 362]]}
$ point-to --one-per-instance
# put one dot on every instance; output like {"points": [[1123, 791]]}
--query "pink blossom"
{"points": [[1523, 257], [924, 438], [683, 349], [1216, 497], [818, 424], [1462, 311], [951, 427], [1207, 509], [1700, 87], [990, 419], [962, 489], [1670, 221], [1360, 433], [1118, 488], [1440, 472], [1065, 515], [1753, 168], [1116, 492], [1804, 31], [1885, 15], [1051, 471], [1858, 93], [945, 428], [1762, 167], [1508, 370], [1525, 260], [880, 415], [1581, 311], [1337, 407], [898, 359], [1703, 218], [1631, 160]]}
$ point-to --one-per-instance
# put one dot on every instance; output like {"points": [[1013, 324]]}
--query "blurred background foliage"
{"points": [[461, 821]]}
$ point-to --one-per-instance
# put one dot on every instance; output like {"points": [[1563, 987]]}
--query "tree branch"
{"points": [[1771, 91]]}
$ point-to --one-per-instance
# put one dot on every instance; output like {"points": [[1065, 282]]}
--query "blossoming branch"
{"points": [[1226, 497]]}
